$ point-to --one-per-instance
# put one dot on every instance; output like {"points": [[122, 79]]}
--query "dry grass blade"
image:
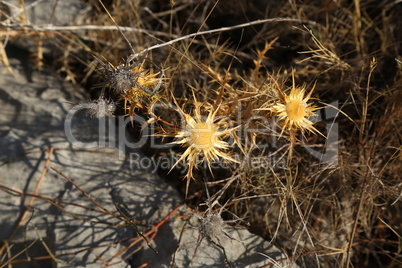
{"points": [[220, 30], [324, 55]]}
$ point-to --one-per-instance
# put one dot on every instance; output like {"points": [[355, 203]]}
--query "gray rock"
{"points": [[32, 122], [36, 14], [34, 110], [242, 248], [54, 12]]}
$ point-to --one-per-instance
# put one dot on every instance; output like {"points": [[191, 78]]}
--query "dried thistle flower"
{"points": [[212, 226], [203, 138], [123, 77], [139, 91], [133, 82], [100, 108], [296, 111]]}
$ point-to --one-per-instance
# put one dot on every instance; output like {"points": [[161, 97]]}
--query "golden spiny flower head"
{"points": [[295, 110], [203, 138]]}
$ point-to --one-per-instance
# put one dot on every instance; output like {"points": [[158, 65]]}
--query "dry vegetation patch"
{"points": [[298, 103]]}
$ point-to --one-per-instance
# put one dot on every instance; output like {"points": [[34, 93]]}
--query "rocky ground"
{"points": [[34, 109], [56, 224], [286, 114]]}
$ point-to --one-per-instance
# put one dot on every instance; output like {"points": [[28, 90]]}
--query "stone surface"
{"points": [[48, 11], [242, 248], [32, 122]]}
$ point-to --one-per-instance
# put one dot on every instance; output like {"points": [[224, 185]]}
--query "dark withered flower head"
{"points": [[212, 226], [131, 75], [122, 78]]}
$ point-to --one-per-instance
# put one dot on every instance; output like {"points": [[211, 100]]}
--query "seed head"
{"points": [[100, 108], [133, 82], [121, 78], [212, 226]]}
